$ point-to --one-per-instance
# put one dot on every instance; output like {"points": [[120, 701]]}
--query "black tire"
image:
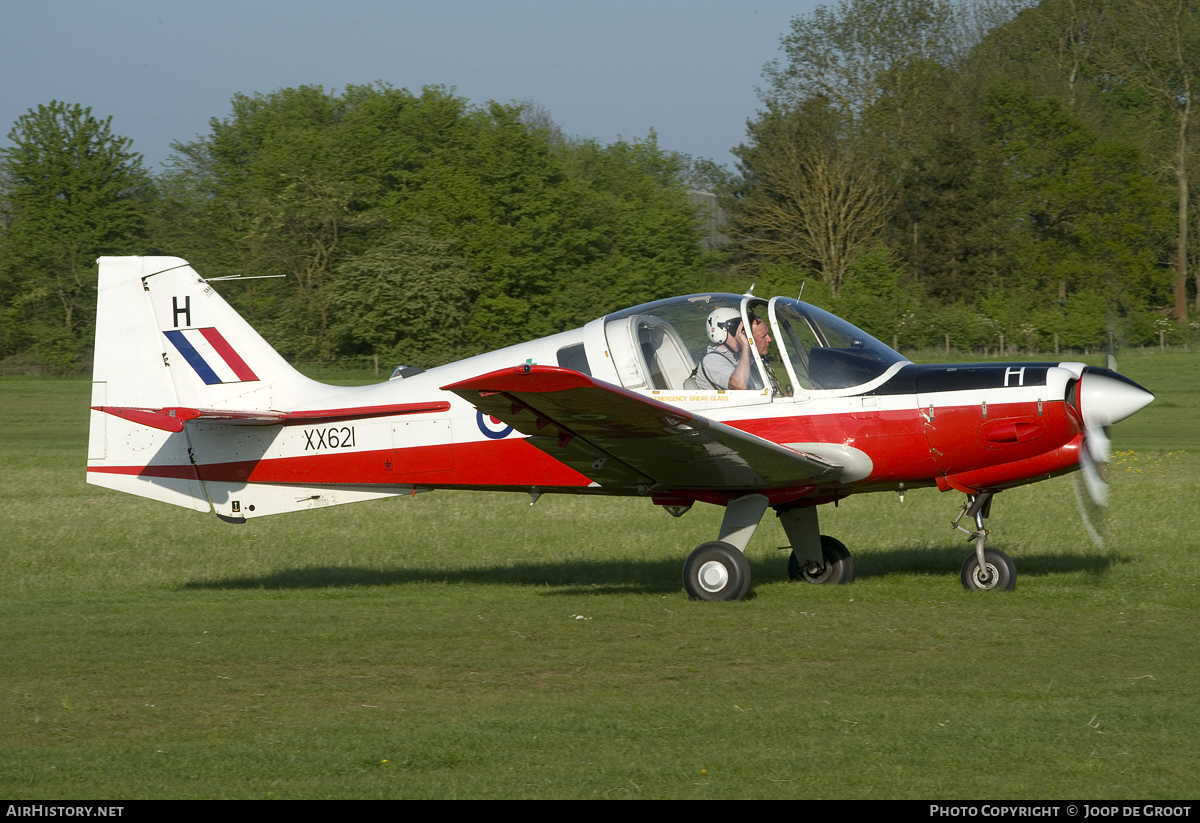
{"points": [[1001, 572], [838, 568], [716, 571]]}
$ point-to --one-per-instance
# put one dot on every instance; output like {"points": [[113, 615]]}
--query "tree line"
{"points": [[416, 227], [987, 169], [981, 168]]}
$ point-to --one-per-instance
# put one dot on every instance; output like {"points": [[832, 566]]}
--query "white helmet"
{"points": [[722, 323]]}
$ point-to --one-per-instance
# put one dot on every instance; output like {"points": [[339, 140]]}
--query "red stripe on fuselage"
{"points": [[499, 464], [169, 472], [504, 463]]}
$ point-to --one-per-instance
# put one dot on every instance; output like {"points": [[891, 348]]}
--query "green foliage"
{"points": [[72, 190], [865, 54], [1024, 160], [1086, 225], [404, 300], [949, 215], [412, 226], [1084, 210], [642, 243], [812, 194], [775, 278], [875, 295], [357, 197], [968, 328]]}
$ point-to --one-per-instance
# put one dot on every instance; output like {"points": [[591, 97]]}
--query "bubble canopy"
{"points": [[662, 345]]}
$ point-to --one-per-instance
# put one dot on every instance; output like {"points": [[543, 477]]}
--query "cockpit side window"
{"points": [[668, 361], [574, 358], [648, 351]]}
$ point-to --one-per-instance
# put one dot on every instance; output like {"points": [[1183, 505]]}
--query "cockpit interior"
{"points": [[659, 346]]}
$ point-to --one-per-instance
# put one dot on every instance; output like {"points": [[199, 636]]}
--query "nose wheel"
{"points": [[998, 572], [986, 569]]}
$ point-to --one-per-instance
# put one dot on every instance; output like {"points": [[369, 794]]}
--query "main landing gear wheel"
{"points": [[716, 571], [838, 564], [998, 575]]}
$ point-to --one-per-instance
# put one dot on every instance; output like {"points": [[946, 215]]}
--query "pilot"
{"points": [[727, 364]]}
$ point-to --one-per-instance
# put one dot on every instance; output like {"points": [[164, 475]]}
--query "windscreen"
{"points": [[825, 352]]}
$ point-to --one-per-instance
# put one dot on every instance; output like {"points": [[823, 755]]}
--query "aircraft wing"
{"points": [[620, 439]]}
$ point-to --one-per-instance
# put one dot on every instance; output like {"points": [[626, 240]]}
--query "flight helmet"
{"points": [[722, 323]]}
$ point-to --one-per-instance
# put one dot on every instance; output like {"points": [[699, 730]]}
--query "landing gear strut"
{"points": [[836, 566], [986, 569], [719, 571], [816, 557]]}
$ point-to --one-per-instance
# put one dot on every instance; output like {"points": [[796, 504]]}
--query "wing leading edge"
{"points": [[622, 440]]}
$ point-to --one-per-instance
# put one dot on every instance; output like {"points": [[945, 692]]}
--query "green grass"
{"points": [[467, 645]]}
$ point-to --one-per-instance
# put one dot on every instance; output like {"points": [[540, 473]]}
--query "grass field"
{"points": [[467, 645]]}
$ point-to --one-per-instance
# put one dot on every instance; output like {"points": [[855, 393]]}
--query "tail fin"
{"points": [[165, 340]]}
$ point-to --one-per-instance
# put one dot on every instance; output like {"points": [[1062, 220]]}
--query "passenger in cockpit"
{"points": [[727, 364]]}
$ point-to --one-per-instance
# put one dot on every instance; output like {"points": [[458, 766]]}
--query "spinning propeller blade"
{"points": [[1092, 461], [1091, 489], [1103, 398]]}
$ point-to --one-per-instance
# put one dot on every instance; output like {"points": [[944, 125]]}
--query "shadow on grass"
{"points": [[644, 577], [591, 577], [943, 560]]}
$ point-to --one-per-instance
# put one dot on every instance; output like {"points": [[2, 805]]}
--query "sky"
{"points": [[608, 70]]}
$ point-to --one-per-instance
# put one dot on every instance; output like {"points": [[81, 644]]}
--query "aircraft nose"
{"points": [[1106, 397]]}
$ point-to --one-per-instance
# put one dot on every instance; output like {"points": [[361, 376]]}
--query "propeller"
{"points": [[1102, 397], [1091, 487]]}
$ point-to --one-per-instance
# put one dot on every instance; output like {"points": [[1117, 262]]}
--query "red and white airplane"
{"points": [[191, 406]]}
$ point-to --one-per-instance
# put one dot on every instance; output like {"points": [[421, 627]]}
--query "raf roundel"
{"points": [[491, 427]]}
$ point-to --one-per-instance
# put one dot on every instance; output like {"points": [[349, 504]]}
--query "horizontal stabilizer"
{"points": [[172, 418]]}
